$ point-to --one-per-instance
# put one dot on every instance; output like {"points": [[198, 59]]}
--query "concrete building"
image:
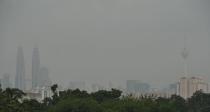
{"points": [[188, 86], [46, 92], [35, 68], [20, 70], [39, 93], [183, 87], [154, 93], [136, 86], [195, 84]]}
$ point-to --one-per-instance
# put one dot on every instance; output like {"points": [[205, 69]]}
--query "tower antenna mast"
{"points": [[185, 55]]}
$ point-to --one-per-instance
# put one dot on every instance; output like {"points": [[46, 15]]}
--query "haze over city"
{"points": [[98, 41]]}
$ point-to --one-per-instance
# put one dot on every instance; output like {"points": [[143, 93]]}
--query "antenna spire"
{"points": [[185, 55]]}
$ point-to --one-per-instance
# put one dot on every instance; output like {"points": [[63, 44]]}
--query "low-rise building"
{"points": [[39, 93]]}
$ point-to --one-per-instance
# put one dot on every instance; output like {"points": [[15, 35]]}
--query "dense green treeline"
{"points": [[11, 100]]}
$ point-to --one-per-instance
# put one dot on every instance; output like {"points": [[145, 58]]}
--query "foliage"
{"points": [[12, 100]]}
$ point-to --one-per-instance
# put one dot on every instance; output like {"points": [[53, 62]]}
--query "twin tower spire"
{"points": [[20, 69]]}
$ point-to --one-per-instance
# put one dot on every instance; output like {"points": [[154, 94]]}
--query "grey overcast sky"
{"points": [[107, 40]]}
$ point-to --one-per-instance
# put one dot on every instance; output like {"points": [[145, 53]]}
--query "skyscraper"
{"points": [[182, 87], [187, 86], [35, 68], [20, 70]]}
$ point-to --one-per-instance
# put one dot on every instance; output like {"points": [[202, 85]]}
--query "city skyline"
{"points": [[104, 55], [186, 86], [101, 41]]}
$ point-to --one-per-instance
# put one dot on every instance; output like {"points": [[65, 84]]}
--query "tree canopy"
{"points": [[12, 100]]}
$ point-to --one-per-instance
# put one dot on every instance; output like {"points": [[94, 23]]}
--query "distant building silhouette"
{"points": [[44, 77], [77, 85], [187, 86], [173, 89], [6, 81], [35, 68], [20, 70], [136, 86]]}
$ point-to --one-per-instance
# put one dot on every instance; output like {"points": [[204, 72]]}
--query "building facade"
{"points": [[136, 86], [188, 86], [20, 70], [35, 68]]}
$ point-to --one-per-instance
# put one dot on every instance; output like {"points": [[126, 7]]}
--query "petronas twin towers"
{"points": [[36, 74], [20, 70], [35, 68]]}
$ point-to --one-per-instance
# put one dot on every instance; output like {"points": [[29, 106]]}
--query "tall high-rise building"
{"points": [[182, 87], [196, 84], [188, 86], [20, 70], [35, 68], [44, 77]]}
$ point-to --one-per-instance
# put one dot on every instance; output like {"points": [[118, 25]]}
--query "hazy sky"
{"points": [[107, 40]]}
